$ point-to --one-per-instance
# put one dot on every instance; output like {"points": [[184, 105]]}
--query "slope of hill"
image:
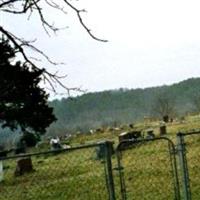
{"points": [[115, 107]]}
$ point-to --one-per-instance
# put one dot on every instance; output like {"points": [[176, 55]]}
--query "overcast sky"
{"points": [[151, 42]]}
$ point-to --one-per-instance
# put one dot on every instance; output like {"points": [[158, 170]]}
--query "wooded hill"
{"points": [[115, 107], [118, 107]]}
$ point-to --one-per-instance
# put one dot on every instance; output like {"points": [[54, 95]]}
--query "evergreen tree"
{"points": [[23, 103]]}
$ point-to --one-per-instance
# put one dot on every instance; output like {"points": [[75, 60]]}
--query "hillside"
{"points": [[116, 107], [78, 173]]}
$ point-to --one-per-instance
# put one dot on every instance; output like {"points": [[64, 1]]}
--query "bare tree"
{"points": [[30, 7], [163, 105]]}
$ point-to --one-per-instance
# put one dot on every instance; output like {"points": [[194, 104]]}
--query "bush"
{"points": [[31, 139]]}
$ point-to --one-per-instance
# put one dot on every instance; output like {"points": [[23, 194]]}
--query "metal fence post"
{"points": [[183, 166], [173, 161], [121, 174], [109, 175], [1, 170]]}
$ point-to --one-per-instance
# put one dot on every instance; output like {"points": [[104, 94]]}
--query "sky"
{"points": [[150, 43]]}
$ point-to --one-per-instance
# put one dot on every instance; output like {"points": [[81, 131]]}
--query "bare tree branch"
{"points": [[34, 5], [78, 12], [19, 43], [7, 3], [18, 7]]}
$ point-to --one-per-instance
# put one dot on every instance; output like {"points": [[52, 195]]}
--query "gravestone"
{"points": [[131, 125], [55, 144], [135, 135], [166, 118], [163, 130], [24, 165]]}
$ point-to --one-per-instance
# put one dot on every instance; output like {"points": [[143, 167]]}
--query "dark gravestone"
{"points": [[163, 130], [166, 118], [99, 130], [130, 135], [24, 165], [131, 125], [124, 138]]}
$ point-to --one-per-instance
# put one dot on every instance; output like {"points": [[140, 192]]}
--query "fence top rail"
{"points": [[85, 146], [133, 141], [195, 132]]}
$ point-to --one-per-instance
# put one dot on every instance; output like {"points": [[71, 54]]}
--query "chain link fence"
{"points": [[144, 169], [77, 173]]}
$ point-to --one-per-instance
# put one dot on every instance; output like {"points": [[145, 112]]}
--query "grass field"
{"points": [[78, 174]]}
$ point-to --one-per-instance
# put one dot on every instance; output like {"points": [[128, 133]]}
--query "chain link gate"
{"points": [[148, 169]]}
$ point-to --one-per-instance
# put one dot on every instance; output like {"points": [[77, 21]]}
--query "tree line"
{"points": [[116, 107]]}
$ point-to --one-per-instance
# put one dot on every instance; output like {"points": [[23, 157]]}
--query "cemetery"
{"points": [[84, 169]]}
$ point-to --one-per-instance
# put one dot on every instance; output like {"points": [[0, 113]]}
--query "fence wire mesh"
{"points": [[192, 150], [72, 174], [142, 170], [147, 171]]}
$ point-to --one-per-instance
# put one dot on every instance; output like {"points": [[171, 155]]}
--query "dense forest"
{"points": [[116, 107]]}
